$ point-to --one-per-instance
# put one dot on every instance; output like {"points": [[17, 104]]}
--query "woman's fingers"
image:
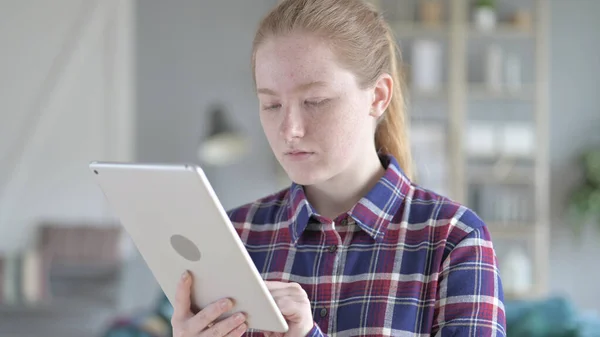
{"points": [[209, 315], [230, 326], [185, 323], [289, 297], [238, 332], [293, 302], [181, 309], [292, 290], [273, 285]]}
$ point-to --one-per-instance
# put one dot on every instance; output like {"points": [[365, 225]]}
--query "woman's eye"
{"points": [[272, 107], [316, 102]]}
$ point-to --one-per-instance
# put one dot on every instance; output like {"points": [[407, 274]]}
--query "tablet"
{"points": [[177, 223]]}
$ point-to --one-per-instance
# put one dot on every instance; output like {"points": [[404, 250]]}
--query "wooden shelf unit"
{"points": [[457, 32]]}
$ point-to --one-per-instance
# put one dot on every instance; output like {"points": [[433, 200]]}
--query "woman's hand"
{"points": [[293, 303], [186, 324]]}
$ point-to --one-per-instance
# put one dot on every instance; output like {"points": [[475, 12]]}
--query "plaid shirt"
{"points": [[402, 262]]}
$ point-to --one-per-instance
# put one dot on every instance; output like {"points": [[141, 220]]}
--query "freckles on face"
{"points": [[339, 128], [308, 99], [285, 68]]}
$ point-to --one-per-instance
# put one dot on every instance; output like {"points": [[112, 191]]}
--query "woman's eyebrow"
{"points": [[301, 87]]}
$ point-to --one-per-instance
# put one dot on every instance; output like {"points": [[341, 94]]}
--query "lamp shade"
{"points": [[224, 144]]}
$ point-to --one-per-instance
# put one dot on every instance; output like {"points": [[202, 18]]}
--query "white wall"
{"points": [[66, 99], [191, 54]]}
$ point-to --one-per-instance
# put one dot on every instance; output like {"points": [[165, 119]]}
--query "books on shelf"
{"points": [[22, 278], [71, 250], [428, 141]]}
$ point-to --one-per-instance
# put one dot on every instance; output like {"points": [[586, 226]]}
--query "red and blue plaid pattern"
{"points": [[402, 262]]}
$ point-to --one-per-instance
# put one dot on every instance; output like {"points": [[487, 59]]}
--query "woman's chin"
{"points": [[305, 177]]}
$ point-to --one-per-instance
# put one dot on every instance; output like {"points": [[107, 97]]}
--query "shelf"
{"points": [[531, 295], [494, 171], [511, 230], [22, 308], [407, 29], [53, 306], [521, 227], [496, 186], [501, 159], [438, 94], [482, 92], [491, 179], [502, 31]]}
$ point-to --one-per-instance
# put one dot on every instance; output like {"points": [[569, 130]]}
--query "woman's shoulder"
{"points": [[422, 209], [452, 219], [263, 210]]}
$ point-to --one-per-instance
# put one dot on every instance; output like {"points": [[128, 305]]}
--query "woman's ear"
{"points": [[382, 95]]}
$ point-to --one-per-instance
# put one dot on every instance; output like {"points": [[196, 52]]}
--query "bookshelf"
{"points": [[494, 147], [67, 263]]}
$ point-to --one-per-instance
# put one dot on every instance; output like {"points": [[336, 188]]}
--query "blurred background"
{"points": [[504, 103]]}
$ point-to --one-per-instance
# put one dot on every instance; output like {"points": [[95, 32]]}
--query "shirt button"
{"points": [[332, 249], [323, 312], [344, 221]]}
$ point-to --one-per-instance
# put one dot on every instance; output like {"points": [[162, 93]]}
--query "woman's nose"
{"points": [[292, 125]]}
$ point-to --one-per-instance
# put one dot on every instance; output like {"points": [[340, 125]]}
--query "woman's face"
{"points": [[317, 120]]}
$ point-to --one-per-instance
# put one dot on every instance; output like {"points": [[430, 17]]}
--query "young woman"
{"points": [[353, 247]]}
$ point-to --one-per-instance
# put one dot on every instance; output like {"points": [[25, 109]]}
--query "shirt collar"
{"points": [[372, 213]]}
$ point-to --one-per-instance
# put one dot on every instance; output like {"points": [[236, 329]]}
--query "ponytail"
{"points": [[391, 135]]}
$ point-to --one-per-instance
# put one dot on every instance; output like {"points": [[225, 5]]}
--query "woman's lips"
{"points": [[298, 155]]}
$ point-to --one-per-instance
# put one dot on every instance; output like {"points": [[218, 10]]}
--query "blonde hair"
{"points": [[363, 42]]}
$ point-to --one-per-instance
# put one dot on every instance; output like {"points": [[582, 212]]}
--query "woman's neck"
{"points": [[340, 193]]}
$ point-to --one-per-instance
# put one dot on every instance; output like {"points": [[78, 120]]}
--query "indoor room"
{"points": [[502, 112]]}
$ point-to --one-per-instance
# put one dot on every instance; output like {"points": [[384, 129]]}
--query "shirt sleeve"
{"points": [[470, 297], [315, 332]]}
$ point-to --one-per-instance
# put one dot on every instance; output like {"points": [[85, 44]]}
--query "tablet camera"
{"points": [[185, 247]]}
